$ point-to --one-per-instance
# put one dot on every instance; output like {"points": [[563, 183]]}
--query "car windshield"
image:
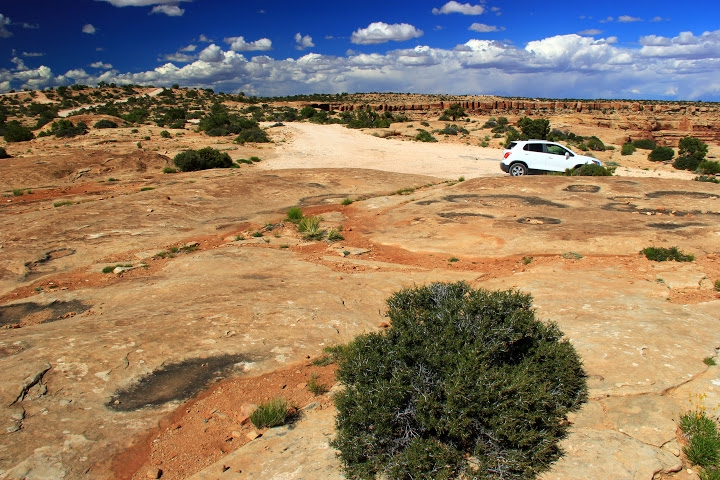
{"points": [[556, 150]]}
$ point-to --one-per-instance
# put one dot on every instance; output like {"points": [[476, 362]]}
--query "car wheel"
{"points": [[518, 170]]}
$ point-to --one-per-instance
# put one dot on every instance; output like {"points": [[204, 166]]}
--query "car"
{"points": [[523, 157]]}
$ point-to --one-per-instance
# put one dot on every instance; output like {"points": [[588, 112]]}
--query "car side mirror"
{"points": [[567, 155]]}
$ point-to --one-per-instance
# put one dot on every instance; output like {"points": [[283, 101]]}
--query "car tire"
{"points": [[518, 170]]}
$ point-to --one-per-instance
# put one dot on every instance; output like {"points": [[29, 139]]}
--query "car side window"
{"points": [[556, 150], [533, 147]]}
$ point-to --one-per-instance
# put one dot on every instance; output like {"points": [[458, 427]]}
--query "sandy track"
{"points": [[335, 146]]}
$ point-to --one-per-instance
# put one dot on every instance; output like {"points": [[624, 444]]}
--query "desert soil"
{"points": [[219, 303]]}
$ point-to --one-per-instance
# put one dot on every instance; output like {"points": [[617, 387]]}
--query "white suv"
{"points": [[531, 156]]}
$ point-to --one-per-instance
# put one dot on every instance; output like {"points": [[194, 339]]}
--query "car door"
{"points": [[558, 158], [534, 156]]}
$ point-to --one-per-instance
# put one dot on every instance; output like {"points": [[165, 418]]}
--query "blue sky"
{"points": [[563, 49]]}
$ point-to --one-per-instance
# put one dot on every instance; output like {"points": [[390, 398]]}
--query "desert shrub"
{"points": [[707, 178], [424, 136], [661, 154], [16, 132], [462, 377], [557, 135], [661, 254], [645, 144], [453, 112], [3, 153], [136, 115], [171, 117], [589, 170], [105, 124], [701, 432], [252, 135], [66, 129], [686, 163], [628, 149], [165, 134], [594, 143], [366, 118], [270, 414], [315, 387], [203, 159], [452, 130], [692, 147], [708, 167], [307, 112], [310, 228], [169, 170], [294, 214]]}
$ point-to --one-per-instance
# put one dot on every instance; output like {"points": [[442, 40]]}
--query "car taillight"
{"points": [[507, 154]]}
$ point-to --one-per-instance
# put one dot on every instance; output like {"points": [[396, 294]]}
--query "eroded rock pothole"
{"points": [[583, 188], [21, 314], [177, 381]]}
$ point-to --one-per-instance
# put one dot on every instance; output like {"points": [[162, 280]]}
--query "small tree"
{"points": [[692, 147], [465, 384], [454, 112], [536, 129]]}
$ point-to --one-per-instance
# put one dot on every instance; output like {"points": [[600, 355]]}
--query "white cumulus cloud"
{"points": [[104, 66], [212, 54], [456, 7], [686, 45], [169, 10], [380, 32], [142, 3], [4, 22], [89, 29], [482, 28], [303, 42], [239, 44], [628, 19]]}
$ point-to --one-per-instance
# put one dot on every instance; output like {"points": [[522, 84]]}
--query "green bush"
{"points": [[105, 124], [589, 170], [252, 135], [661, 254], [16, 132], [452, 130], [203, 159], [424, 136], [270, 414], [686, 163], [692, 147], [165, 134], [453, 112], [294, 214], [537, 129], [465, 382], [703, 448], [66, 129], [628, 149], [3, 153], [645, 144], [594, 143], [707, 178], [708, 167], [661, 154]]}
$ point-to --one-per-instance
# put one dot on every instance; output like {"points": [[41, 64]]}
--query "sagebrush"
{"points": [[465, 384]]}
